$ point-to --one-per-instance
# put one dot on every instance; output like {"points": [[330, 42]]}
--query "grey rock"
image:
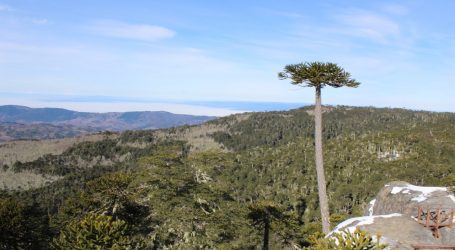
{"points": [[392, 215], [402, 197], [447, 235], [397, 230]]}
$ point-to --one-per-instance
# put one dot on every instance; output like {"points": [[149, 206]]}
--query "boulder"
{"points": [[447, 235], [397, 230], [402, 197], [392, 215]]}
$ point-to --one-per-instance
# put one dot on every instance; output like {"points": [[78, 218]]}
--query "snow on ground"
{"points": [[359, 221], [370, 209], [425, 191], [451, 197]]}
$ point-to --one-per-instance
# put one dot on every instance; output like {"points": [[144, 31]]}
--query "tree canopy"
{"points": [[317, 74]]}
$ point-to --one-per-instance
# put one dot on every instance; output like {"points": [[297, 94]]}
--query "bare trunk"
{"points": [[265, 244], [323, 201]]}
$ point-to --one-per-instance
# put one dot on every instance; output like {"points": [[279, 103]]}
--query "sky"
{"points": [[222, 57]]}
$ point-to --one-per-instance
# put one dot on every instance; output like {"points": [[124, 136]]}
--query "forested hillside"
{"points": [[10, 131], [213, 186]]}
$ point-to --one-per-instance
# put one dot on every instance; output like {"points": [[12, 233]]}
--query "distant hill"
{"points": [[20, 122], [10, 131]]}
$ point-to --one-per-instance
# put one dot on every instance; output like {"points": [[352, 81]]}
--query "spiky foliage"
{"points": [[317, 74], [94, 232], [20, 227], [106, 195], [12, 224], [358, 240], [263, 213]]}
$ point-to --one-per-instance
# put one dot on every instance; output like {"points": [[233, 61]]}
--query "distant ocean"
{"points": [[121, 104], [247, 106]]}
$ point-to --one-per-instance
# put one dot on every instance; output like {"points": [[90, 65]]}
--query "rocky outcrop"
{"points": [[402, 197], [392, 215], [397, 230], [447, 235]]}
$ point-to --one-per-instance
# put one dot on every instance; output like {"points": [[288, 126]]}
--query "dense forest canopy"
{"points": [[213, 185]]}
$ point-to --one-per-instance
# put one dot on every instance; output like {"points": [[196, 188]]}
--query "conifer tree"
{"points": [[319, 75], [94, 232], [263, 213]]}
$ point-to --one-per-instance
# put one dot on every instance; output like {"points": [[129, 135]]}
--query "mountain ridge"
{"points": [[72, 123]]}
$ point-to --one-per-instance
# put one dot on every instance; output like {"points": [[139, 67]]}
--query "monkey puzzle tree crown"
{"points": [[317, 74]]}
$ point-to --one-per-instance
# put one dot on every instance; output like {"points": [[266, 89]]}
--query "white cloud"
{"points": [[368, 25], [143, 32]]}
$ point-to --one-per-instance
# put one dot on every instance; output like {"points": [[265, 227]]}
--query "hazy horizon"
{"points": [[205, 108]]}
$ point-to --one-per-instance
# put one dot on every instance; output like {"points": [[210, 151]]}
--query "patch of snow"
{"points": [[364, 220], [425, 191], [370, 209], [396, 190], [451, 197], [419, 198]]}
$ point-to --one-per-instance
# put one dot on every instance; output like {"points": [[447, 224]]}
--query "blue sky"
{"points": [[220, 57]]}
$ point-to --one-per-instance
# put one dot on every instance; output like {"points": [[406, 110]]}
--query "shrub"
{"points": [[358, 240], [95, 232]]}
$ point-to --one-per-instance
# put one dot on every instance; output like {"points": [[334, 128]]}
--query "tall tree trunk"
{"points": [[265, 245], [323, 201]]}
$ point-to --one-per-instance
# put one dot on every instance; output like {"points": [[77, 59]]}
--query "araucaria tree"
{"points": [[319, 75], [263, 214]]}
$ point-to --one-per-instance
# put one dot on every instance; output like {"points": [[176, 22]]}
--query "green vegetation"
{"points": [[16, 131], [264, 214], [94, 232], [358, 240], [20, 228], [156, 191]]}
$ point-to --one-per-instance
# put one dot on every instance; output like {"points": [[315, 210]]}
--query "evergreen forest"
{"points": [[230, 183]]}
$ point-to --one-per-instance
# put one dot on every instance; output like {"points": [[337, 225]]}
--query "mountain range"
{"points": [[20, 122]]}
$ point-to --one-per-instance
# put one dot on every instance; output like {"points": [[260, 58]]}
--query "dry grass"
{"points": [[26, 151], [197, 136], [23, 180]]}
